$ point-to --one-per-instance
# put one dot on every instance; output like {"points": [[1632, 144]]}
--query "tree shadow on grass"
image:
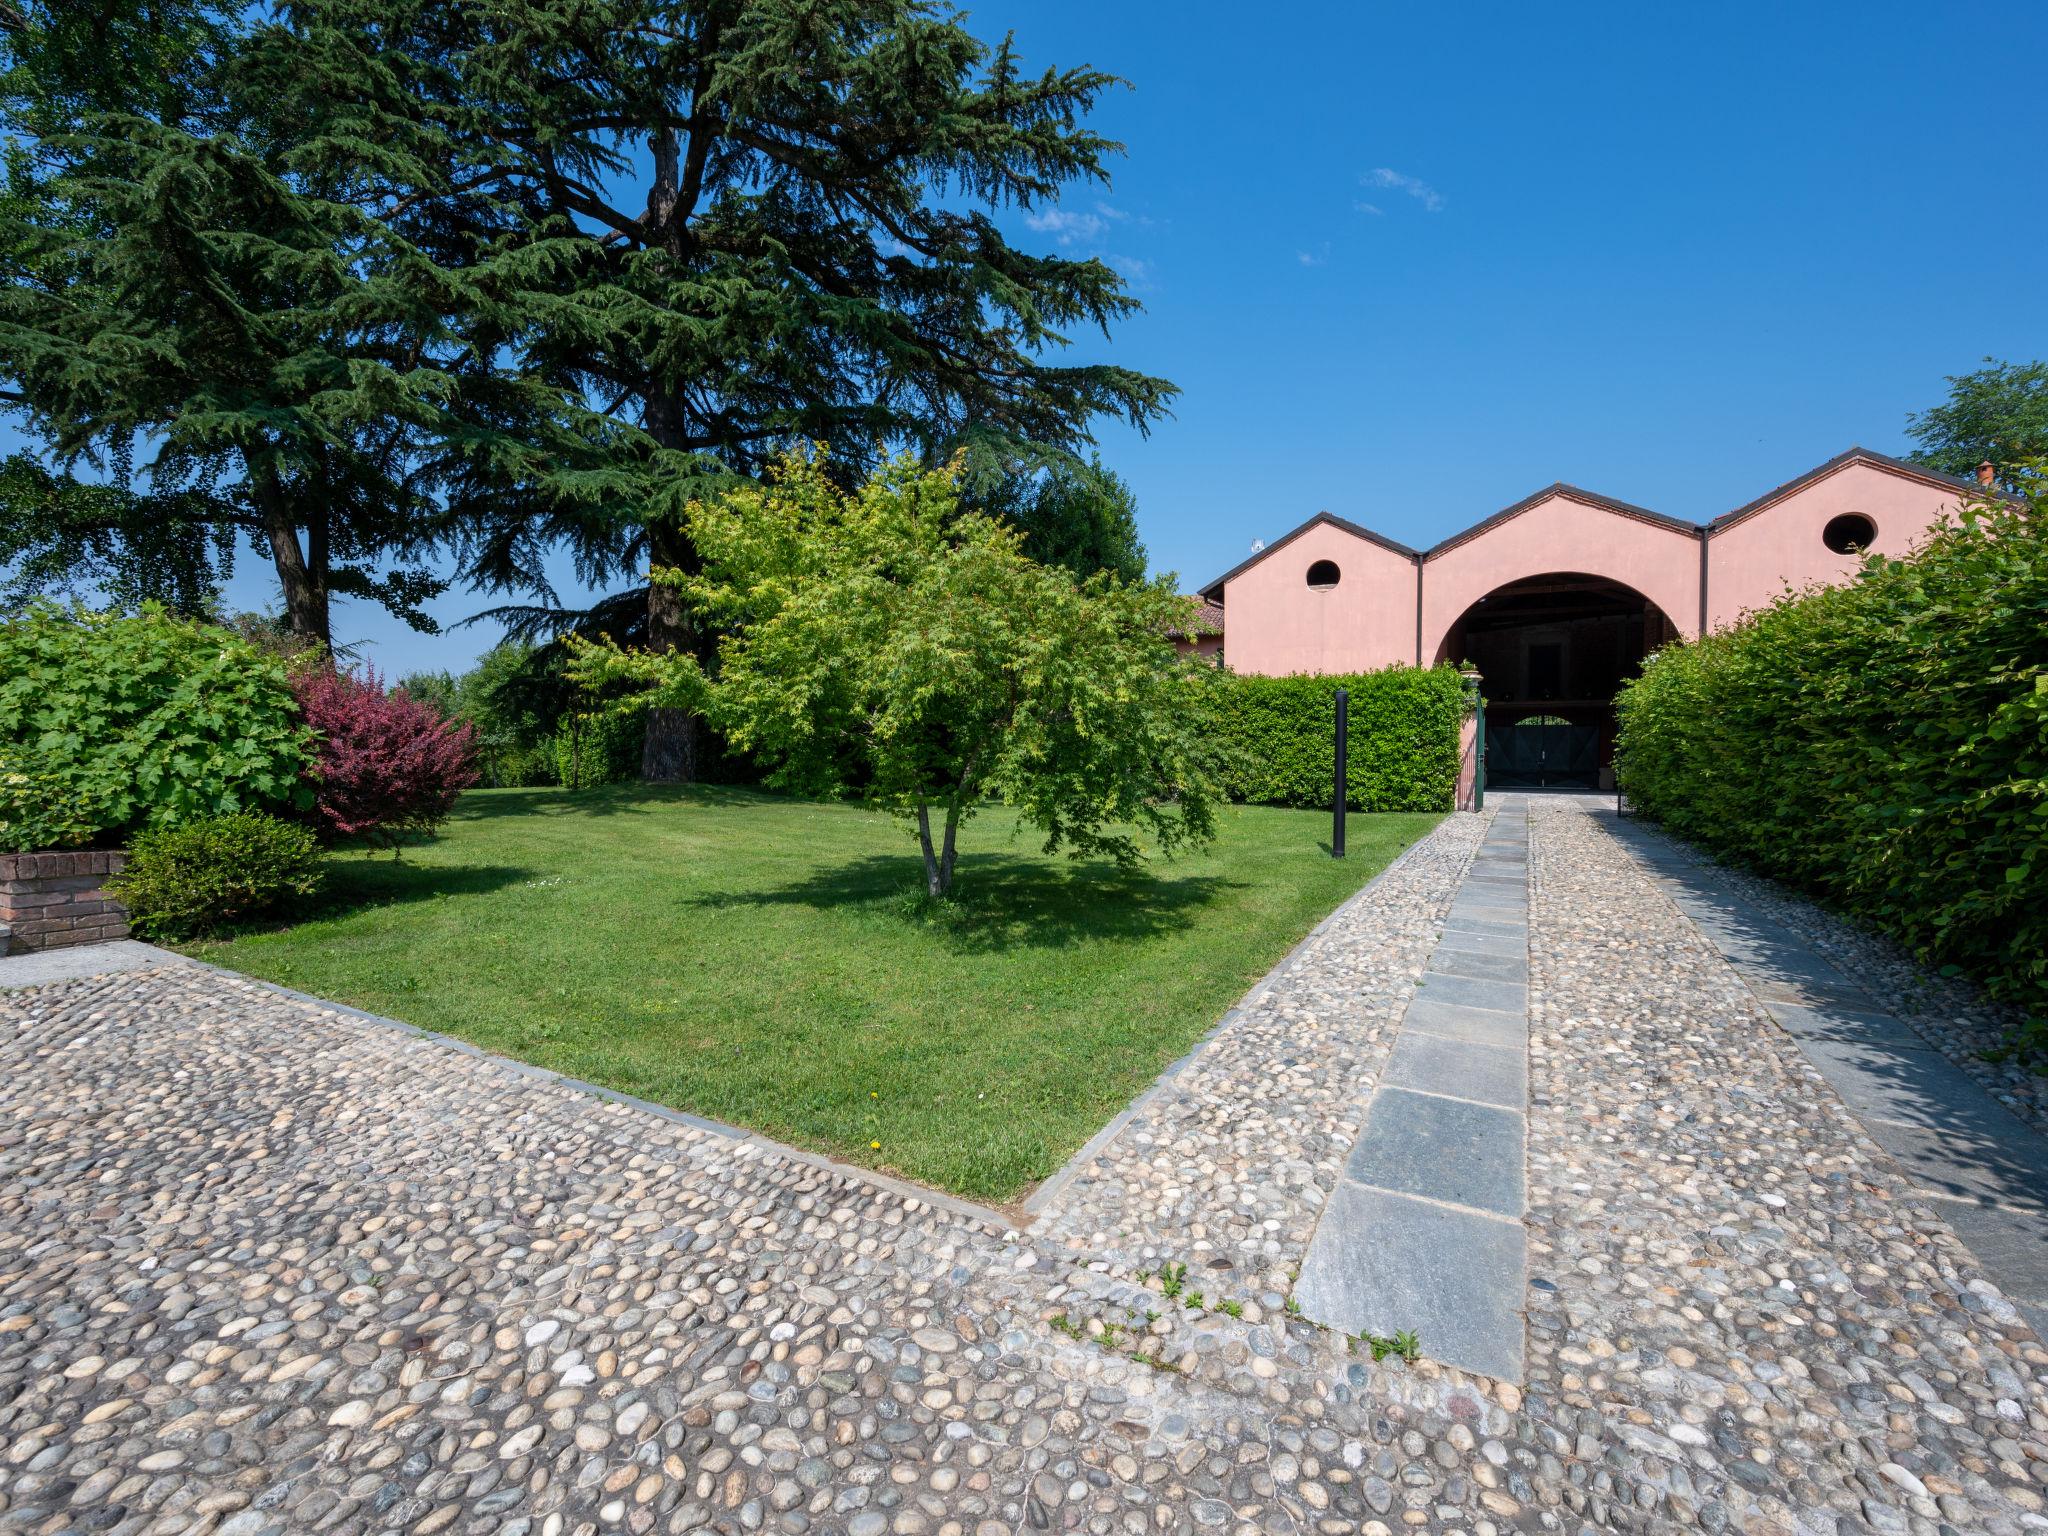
{"points": [[999, 901], [353, 884], [602, 800]]}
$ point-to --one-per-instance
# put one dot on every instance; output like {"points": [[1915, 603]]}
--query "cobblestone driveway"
{"points": [[265, 1267]]}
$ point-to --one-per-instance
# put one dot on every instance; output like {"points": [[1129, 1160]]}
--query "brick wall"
{"points": [[49, 900]]}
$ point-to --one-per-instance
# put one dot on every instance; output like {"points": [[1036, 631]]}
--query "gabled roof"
{"points": [[1214, 590], [1572, 493], [1819, 472]]}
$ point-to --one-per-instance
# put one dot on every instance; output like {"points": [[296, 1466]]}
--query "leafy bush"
{"points": [[109, 724], [599, 748], [210, 873], [1883, 745], [389, 765], [1280, 734]]}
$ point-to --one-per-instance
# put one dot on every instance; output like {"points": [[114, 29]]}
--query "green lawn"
{"points": [[767, 962]]}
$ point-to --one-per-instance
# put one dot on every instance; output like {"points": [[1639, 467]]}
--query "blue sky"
{"points": [[1409, 263]]}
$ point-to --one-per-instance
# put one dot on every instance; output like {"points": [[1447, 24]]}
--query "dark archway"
{"points": [[1552, 652]]}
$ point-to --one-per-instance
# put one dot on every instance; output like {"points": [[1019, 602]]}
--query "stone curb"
{"points": [[1039, 1199]]}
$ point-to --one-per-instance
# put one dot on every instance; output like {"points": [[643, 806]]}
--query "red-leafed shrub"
{"points": [[388, 765]]}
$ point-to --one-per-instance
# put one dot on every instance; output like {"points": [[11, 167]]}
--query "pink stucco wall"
{"points": [[1561, 534], [1274, 624], [1750, 563]]}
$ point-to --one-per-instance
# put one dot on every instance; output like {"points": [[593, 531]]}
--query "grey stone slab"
{"points": [[2012, 1246], [1485, 893], [1474, 992], [37, 967], [1441, 1149], [1836, 1021], [1464, 922], [1920, 1088], [1943, 1163], [1481, 1026], [1492, 1074], [2037, 1318], [1792, 966], [1507, 946], [1511, 883], [1488, 912], [1806, 993], [1384, 1264], [1512, 966]]}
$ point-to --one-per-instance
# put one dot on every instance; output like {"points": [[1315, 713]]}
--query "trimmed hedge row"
{"points": [[1280, 736], [1882, 745]]}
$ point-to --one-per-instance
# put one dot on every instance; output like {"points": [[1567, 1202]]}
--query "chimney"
{"points": [[1987, 474]]}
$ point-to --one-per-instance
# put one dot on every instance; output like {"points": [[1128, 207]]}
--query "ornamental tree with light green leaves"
{"points": [[887, 640]]}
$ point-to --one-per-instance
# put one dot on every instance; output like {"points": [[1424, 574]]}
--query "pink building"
{"points": [[1557, 599]]}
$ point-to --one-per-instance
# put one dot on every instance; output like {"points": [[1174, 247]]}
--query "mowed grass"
{"points": [[768, 962]]}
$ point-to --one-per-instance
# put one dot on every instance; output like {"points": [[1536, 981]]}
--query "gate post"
{"points": [[1472, 745]]}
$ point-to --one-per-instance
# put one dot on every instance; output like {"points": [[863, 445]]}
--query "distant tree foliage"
{"points": [[1073, 512], [886, 639], [512, 701], [1997, 415]]}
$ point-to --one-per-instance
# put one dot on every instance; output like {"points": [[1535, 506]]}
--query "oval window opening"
{"points": [[1323, 575], [1849, 534]]}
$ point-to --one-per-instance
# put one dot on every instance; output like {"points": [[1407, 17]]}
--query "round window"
{"points": [[1323, 575], [1849, 534]]}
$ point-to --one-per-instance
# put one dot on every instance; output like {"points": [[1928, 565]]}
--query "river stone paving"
{"points": [[1950, 1013], [1727, 1274], [267, 1267]]}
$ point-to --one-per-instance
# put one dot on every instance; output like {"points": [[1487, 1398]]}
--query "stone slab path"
{"points": [[1424, 1234], [267, 1266]]}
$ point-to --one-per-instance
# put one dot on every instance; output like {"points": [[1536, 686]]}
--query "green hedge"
{"points": [[1883, 745], [1280, 734]]}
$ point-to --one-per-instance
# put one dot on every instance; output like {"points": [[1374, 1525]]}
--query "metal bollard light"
{"points": [[1338, 796]]}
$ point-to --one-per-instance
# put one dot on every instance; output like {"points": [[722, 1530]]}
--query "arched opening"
{"points": [[1552, 652]]}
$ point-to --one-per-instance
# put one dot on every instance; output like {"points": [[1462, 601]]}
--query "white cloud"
{"points": [[1372, 208], [1108, 211], [1067, 227], [1414, 186], [1136, 268], [1315, 258]]}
